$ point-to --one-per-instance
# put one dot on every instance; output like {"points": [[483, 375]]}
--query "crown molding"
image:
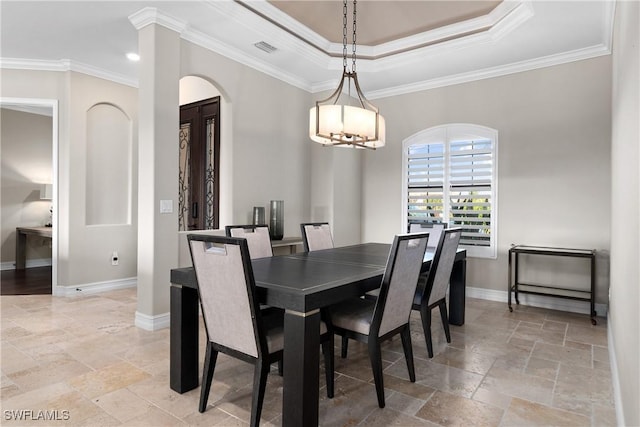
{"points": [[229, 52], [518, 67], [63, 65], [500, 21], [151, 15], [610, 13]]}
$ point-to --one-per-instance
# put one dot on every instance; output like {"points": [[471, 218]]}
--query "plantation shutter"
{"points": [[426, 172], [470, 195], [451, 178]]}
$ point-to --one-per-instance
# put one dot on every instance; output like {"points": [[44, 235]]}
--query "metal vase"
{"points": [[276, 219], [258, 215]]}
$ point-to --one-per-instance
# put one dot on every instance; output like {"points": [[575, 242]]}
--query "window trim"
{"points": [[445, 134]]}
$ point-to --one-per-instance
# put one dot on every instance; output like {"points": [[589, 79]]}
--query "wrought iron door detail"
{"points": [[209, 182], [184, 178]]}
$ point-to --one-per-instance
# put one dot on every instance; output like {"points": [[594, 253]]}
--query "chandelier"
{"points": [[357, 122]]}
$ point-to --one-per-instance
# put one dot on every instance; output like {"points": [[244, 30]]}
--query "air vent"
{"points": [[265, 47]]}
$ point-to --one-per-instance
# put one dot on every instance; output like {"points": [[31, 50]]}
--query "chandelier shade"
{"points": [[354, 124], [345, 125]]}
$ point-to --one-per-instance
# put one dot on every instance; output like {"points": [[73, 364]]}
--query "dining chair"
{"points": [[316, 236], [432, 292], [234, 325], [257, 237], [372, 322], [433, 228]]}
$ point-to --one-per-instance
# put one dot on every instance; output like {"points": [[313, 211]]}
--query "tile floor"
{"points": [[84, 362]]}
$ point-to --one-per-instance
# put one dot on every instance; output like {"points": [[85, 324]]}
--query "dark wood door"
{"points": [[199, 184]]}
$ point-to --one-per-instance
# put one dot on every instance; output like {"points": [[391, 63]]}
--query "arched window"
{"points": [[450, 175]]}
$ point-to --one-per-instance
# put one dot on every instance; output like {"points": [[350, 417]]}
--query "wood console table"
{"points": [[516, 286], [21, 242]]}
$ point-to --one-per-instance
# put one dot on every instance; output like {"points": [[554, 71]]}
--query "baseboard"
{"points": [[94, 288], [152, 323], [615, 378], [31, 263], [541, 301]]}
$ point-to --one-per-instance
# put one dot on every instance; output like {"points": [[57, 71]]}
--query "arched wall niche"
{"points": [[109, 165]]}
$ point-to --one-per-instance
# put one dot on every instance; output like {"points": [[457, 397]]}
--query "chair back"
{"points": [[433, 228], [257, 238], [398, 287], [226, 289], [441, 266], [316, 236]]}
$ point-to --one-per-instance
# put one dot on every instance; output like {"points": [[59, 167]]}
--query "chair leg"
{"points": [[375, 356], [327, 350], [345, 347], [408, 352], [425, 315], [445, 319], [259, 386], [210, 358], [280, 369]]}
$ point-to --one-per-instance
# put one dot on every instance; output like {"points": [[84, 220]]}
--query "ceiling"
{"points": [[402, 46]]}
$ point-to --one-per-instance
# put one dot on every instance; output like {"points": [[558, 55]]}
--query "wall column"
{"points": [[336, 191], [159, 49]]}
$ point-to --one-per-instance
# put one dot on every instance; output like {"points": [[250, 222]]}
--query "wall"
{"points": [[47, 85], [269, 158], [624, 318], [27, 162], [91, 246], [84, 253], [553, 160]]}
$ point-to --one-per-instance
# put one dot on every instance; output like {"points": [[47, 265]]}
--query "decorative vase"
{"points": [[258, 215], [276, 219]]}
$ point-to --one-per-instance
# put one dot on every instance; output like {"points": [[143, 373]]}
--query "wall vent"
{"points": [[265, 47]]}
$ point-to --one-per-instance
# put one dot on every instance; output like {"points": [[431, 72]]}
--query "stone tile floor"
{"points": [[82, 360]]}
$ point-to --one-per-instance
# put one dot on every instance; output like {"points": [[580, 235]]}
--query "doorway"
{"points": [[199, 178], [27, 176]]}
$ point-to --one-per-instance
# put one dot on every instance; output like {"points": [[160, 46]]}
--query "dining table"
{"points": [[302, 284]]}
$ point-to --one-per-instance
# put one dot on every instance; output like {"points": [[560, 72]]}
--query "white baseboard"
{"points": [[541, 301], [94, 288], [31, 263], [152, 323]]}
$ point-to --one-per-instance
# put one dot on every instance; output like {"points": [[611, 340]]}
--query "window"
{"points": [[450, 175]]}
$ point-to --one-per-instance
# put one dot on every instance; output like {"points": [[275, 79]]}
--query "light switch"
{"points": [[166, 206]]}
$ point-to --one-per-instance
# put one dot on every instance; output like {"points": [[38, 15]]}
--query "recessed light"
{"points": [[131, 56]]}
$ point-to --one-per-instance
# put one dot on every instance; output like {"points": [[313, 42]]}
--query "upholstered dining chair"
{"points": [[257, 238], [375, 321], [433, 228], [234, 324], [316, 236], [433, 292]]}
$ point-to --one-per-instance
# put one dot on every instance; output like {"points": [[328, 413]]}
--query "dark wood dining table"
{"points": [[301, 284]]}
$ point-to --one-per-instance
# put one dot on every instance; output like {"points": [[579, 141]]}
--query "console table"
{"points": [[287, 242], [21, 242], [516, 286]]}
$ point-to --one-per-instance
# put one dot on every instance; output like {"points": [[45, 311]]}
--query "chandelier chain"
{"points": [[353, 66], [344, 35]]}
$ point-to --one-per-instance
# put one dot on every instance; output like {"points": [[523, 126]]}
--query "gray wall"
{"points": [[625, 208], [266, 154], [554, 173], [84, 252], [27, 162]]}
